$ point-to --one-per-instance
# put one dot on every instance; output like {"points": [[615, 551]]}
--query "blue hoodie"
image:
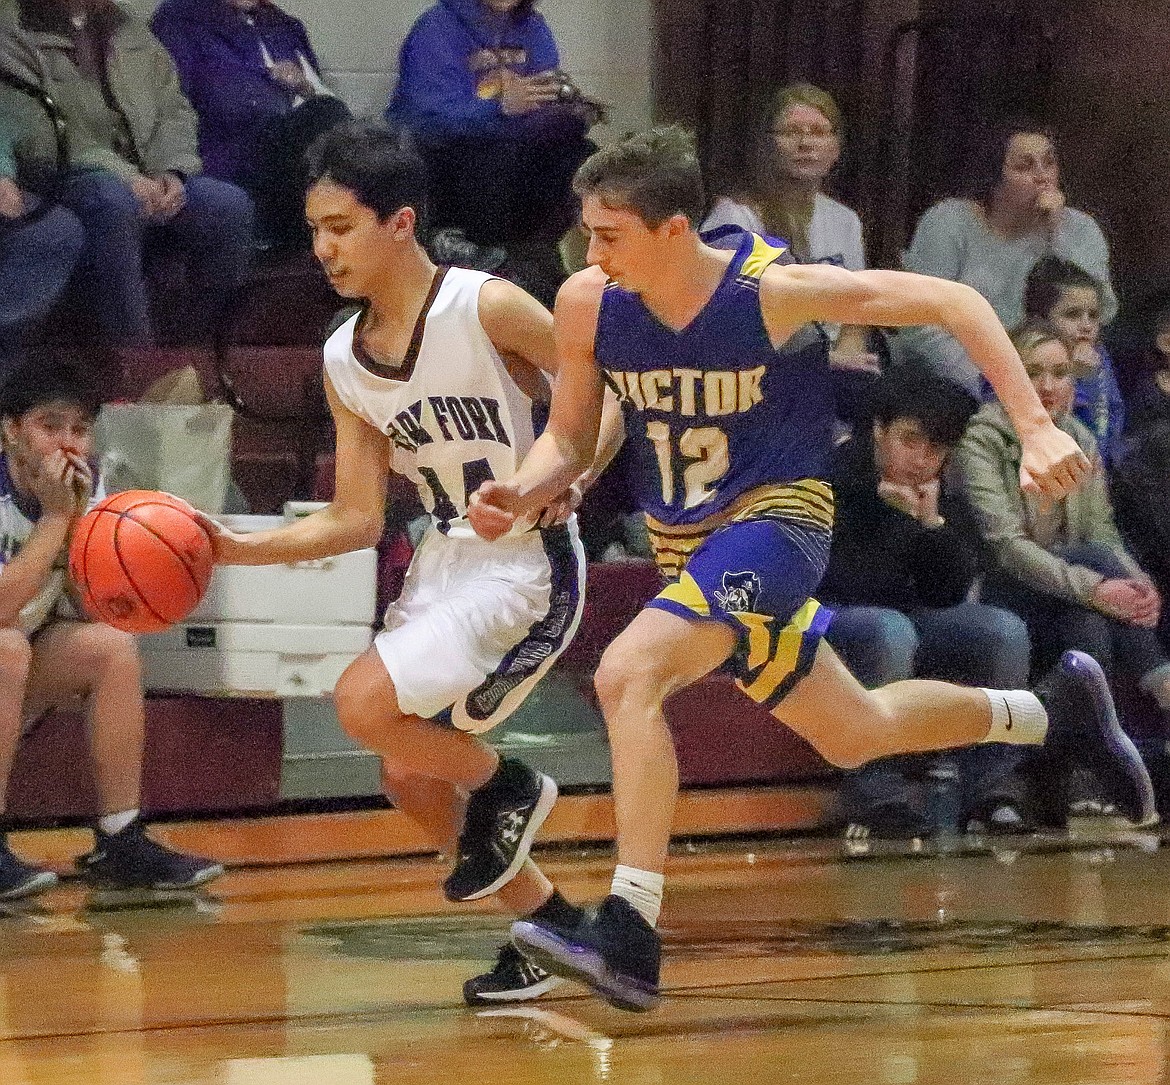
{"points": [[221, 67], [448, 72]]}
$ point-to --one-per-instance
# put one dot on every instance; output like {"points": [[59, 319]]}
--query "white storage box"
{"points": [[247, 659], [331, 591]]}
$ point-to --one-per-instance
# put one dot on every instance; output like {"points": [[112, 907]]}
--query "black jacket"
{"points": [[882, 557]]}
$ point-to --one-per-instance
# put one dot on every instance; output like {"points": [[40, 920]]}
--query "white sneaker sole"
{"points": [[544, 805], [522, 994]]}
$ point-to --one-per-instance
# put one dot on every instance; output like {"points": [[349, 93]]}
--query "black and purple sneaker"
{"points": [[615, 952], [1083, 729]]}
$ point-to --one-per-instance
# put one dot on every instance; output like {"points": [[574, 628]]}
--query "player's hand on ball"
{"points": [[559, 511], [491, 509], [1052, 464], [227, 547]]}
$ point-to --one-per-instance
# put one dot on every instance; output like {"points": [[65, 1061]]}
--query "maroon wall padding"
{"points": [[203, 754], [614, 592], [722, 737], [140, 367], [287, 301]]}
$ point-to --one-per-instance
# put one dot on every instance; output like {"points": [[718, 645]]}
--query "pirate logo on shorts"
{"points": [[740, 592]]}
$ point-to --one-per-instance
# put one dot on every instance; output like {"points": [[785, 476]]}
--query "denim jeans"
{"points": [[1057, 625], [212, 235], [970, 643], [37, 256]]}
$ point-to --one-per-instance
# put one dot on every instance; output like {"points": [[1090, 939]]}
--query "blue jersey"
{"points": [[723, 426]]}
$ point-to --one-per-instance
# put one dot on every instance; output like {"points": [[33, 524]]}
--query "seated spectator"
{"points": [[1070, 300], [903, 561], [1141, 492], [797, 146], [1061, 566], [39, 243], [1015, 213], [252, 77], [48, 660], [1150, 404], [502, 129], [1141, 481], [134, 176]]}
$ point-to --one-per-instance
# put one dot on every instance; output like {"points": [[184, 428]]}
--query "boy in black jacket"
{"points": [[902, 566]]}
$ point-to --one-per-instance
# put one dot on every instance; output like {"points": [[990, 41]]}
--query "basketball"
{"points": [[141, 560]]}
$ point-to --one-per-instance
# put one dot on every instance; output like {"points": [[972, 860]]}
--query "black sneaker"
{"points": [[20, 879], [1083, 729], [501, 822], [615, 952], [513, 979], [889, 821], [131, 860]]}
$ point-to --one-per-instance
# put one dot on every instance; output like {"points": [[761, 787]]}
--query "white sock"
{"points": [[115, 823], [640, 888], [1017, 716]]}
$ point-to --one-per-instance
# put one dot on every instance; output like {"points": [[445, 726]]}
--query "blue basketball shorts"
{"points": [[758, 576]]}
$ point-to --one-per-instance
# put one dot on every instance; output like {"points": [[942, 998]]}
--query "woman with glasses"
{"points": [[798, 145]]}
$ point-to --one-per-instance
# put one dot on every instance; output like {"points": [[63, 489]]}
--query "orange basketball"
{"points": [[141, 560]]}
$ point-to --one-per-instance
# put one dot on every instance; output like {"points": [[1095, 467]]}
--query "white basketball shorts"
{"points": [[479, 623]]}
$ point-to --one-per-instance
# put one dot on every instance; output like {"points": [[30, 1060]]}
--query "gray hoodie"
{"points": [[987, 462]]}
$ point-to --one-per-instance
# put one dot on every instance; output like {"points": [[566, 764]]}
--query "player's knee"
{"points": [[15, 660], [625, 677], [114, 649], [365, 702]]}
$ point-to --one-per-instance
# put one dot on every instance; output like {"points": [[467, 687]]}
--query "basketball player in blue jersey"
{"points": [[435, 378], [726, 396]]}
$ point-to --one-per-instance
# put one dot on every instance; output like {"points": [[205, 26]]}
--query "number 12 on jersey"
{"points": [[704, 450]]}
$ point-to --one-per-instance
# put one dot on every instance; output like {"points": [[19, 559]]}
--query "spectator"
{"points": [[1070, 299], [796, 148], [1141, 481], [502, 129], [46, 660], [1015, 214], [39, 243], [250, 73], [1141, 490], [133, 171], [1150, 403], [903, 562], [1061, 566]]}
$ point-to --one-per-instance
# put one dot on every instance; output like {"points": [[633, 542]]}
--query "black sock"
{"points": [[508, 772], [557, 912]]}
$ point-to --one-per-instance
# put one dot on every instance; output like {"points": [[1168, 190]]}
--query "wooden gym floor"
{"points": [[1046, 961]]}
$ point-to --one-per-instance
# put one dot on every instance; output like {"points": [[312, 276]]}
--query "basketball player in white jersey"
{"points": [[436, 378]]}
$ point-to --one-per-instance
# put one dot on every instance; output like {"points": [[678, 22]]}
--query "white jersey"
{"points": [[453, 413]]}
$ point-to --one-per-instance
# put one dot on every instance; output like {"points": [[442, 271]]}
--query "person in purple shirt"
{"points": [[250, 73], [501, 127]]}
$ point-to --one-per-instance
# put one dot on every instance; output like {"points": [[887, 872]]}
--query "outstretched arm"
{"points": [[354, 518], [569, 444], [1052, 465]]}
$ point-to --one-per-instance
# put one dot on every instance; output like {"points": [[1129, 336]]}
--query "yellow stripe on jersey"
{"points": [[758, 260], [784, 658], [688, 594], [809, 501]]}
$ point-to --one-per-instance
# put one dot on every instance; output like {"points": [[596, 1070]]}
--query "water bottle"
{"points": [[943, 798]]}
